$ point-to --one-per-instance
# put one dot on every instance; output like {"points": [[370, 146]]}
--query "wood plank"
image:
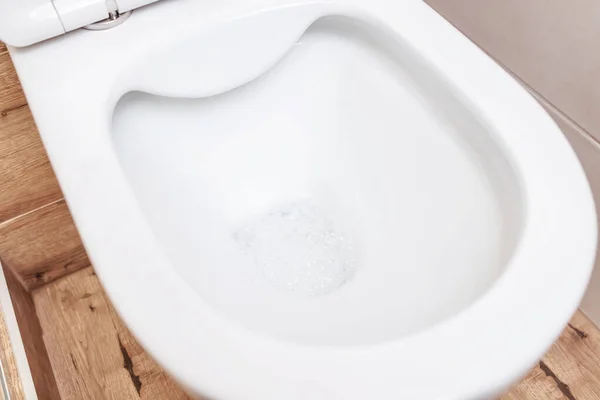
{"points": [[570, 370], [9, 363], [92, 354], [81, 339], [26, 177], [31, 333], [575, 359], [42, 246], [11, 94], [152, 381], [537, 386]]}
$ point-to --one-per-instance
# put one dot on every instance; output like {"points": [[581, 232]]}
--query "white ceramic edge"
{"points": [[16, 341], [25, 22], [588, 152], [521, 312]]}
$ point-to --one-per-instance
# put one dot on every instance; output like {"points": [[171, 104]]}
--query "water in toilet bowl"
{"points": [[347, 196]]}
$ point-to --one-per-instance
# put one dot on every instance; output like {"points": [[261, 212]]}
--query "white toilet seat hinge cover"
{"points": [[75, 14], [23, 23]]}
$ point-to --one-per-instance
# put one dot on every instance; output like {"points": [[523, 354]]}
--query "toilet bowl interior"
{"points": [[349, 195]]}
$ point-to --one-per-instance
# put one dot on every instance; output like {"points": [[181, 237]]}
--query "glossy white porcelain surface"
{"points": [[346, 185], [318, 200]]}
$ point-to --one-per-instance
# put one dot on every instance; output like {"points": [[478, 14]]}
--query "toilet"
{"points": [[309, 199]]}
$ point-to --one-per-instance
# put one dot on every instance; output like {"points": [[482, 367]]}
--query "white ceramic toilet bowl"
{"points": [[315, 200]]}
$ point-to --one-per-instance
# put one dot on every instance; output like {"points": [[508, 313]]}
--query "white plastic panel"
{"points": [[77, 13], [24, 22]]}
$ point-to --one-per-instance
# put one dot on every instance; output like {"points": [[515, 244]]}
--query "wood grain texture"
{"points": [[26, 177], [569, 371], [537, 386], [575, 359], [31, 334], [42, 246], [92, 354], [9, 364], [151, 381], [11, 94]]}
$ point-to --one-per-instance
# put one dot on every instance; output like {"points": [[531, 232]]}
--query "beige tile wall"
{"points": [[552, 45]]}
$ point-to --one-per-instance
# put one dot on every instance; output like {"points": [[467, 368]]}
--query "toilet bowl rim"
{"points": [[108, 246]]}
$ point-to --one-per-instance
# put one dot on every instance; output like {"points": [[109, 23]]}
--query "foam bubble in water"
{"points": [[297, 246]]}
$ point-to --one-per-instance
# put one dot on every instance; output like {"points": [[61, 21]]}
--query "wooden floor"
{"points": [[570, 370]]}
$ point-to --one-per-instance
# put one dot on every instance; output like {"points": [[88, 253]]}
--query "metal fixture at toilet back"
{"points": [[26, 23], [115, 18]]}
